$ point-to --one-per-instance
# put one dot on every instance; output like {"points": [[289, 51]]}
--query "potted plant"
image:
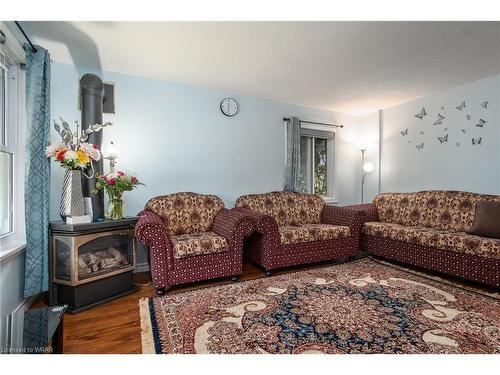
{"points": [[115, 184]]}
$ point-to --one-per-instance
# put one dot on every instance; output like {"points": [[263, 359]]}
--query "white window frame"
{"points": [[332, 163], [14, 242]]}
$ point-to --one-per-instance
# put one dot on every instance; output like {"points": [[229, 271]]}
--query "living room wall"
{"points": [[175, 138], [455, 164]]}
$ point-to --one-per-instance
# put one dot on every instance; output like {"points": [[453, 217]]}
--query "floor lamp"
{"points": [[365, 168]]}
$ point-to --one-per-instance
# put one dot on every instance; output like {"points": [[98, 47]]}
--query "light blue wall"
{"points": [[175, 138], [12, 284], [444, 166]]}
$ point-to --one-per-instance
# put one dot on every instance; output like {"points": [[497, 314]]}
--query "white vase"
{"points": [[72, 196]]}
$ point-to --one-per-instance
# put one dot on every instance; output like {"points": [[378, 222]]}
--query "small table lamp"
{"points": [[111, 156]]}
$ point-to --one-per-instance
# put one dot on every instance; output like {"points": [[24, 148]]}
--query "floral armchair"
{"points": [[191, 237], [293, 229]]}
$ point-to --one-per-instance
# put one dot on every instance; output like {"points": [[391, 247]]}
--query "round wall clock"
{"points": [[229, 107]]}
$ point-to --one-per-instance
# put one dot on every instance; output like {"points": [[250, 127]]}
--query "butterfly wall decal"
{"points": [[457, 144], [442, 108], [421, 114], [443, 139], [463, 131], [421, 132], [477, 141], [484, 104], [468, 117], [480, 123], [461, 106], [404, 132], [420, 146], [439, 119]]}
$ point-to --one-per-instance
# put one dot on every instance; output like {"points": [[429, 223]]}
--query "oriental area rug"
{"points": [[359, 307]]}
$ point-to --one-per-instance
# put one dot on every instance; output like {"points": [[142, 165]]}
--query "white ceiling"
{"points": [[351, 67]]}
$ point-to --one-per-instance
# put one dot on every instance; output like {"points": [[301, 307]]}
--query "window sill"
{"points": [[330, 200], [11, 250]]}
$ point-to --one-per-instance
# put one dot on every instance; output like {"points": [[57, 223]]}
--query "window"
{"points": [[317, 162], [8, 111]]}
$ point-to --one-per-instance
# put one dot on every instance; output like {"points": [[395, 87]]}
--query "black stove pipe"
{"points": [[91, 93]]}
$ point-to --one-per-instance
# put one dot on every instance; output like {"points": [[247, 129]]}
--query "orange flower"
{"points": [[83, 158]]}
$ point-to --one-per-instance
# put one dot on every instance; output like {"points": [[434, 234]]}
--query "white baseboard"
{"points": [[25, 304], [142, 267]]}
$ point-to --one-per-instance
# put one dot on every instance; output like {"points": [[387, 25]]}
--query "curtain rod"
{"points": [[315, 123], [33, 49]]}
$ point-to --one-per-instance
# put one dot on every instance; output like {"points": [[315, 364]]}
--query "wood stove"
{"points": [[91, 263]]}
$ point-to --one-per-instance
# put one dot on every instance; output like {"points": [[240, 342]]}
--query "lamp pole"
{"points": [[363, 174]]}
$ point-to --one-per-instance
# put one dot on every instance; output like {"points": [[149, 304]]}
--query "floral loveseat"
{"points": [[292, 229], [191, 237], [428, 229]]}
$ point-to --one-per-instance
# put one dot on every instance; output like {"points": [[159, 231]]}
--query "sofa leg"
{"points": [[235, 278], [269, 273], [162, 291]]}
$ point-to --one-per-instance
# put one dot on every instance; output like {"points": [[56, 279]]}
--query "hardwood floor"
{"points": [[114, 327]]}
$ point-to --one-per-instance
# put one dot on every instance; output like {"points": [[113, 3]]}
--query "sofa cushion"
{"points": [[470, 244], [445, 240], [184, 213], [419, 235], [486, 220], [285, 207], [438, 209], [188, 245], [291, 234]]}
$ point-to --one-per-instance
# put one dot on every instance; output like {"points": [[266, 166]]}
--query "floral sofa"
{"points": [[293, 229], [191, 237], [428, 229]]}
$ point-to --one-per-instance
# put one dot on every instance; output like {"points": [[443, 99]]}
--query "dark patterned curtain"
{"points": [[292, 168], [37, 178]]}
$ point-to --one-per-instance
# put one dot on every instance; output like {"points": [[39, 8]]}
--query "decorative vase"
{"points": [[116, 207], [72, 196]]}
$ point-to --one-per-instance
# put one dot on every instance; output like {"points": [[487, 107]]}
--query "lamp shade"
{"points": [[368, 167], [362, 146], [110, 151]]}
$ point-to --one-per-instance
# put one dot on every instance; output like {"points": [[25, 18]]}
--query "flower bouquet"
{"points": [[75, 155], [115, 184]]}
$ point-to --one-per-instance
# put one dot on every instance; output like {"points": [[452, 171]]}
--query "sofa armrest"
{"points": [[148, 226], [233, 225], [335, 215], [266, 226], [369, 209], [150, 231]]}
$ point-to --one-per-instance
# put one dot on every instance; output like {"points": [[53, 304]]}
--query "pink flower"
{"points": [[111, 181], [120, 173], [134, 180]]}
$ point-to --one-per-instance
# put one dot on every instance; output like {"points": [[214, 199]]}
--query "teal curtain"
{"points": [[37, 177], [292, 168]]}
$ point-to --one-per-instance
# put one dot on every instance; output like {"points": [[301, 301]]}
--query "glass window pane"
{"points": [[2, 107], [5, 193], [320, 166]]}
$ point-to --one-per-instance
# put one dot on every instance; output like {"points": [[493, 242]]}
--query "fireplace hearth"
{"points": [[91, 263]]}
